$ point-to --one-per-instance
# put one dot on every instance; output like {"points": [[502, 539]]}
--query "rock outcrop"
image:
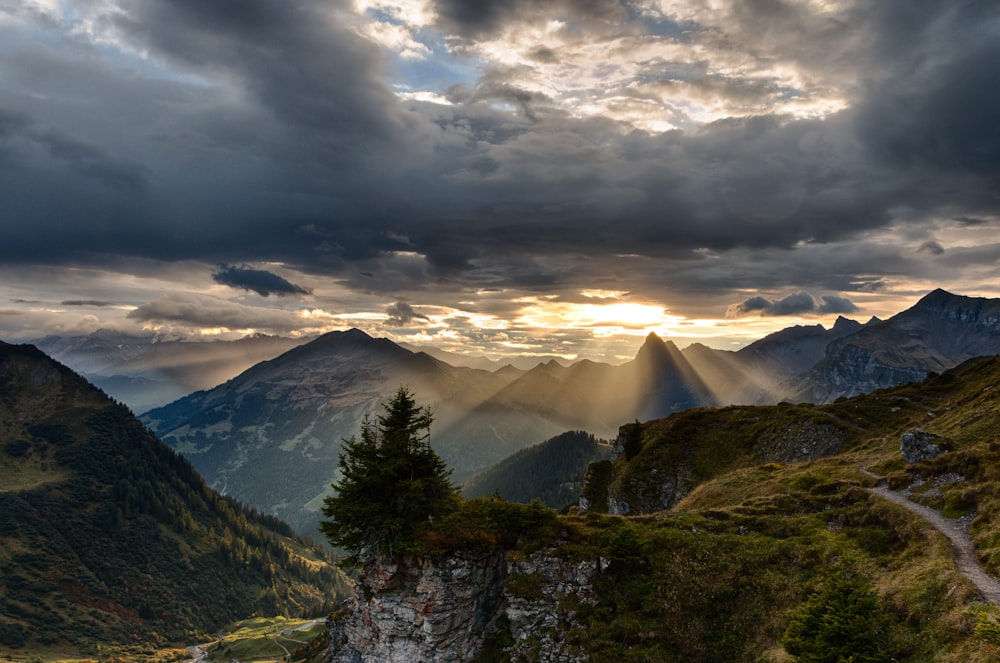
{"points": [[917, 445], [670, 462], [429, 610]]}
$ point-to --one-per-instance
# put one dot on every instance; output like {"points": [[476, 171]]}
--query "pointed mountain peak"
{"points": [[937, 297], [845, 324], [346, 343], [654, 341], [655, 347], [873, 321]]}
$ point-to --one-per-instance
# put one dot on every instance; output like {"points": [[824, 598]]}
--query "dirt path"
{"points": [[965, 552], [198, 655]]}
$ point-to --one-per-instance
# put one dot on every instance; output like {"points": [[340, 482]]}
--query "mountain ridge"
{"points": [[109, 536], [289, 414]]}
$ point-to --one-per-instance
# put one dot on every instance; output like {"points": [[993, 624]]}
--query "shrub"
{"points": [[843, 623], [17, 448]]}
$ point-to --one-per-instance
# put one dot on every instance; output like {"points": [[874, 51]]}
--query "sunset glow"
{"points": [[547, 178]]}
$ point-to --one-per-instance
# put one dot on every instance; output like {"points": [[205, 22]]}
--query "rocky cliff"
{"points": [[937, 333], [449, 609], [656, 464]]}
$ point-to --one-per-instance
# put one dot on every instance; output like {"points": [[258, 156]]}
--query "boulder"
{"points": [[917, 445]]}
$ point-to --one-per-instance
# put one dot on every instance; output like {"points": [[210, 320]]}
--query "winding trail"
{"points": [[964, 551]]}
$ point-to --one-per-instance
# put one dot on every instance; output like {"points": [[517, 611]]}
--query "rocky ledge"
{"points": [[446, 610]]}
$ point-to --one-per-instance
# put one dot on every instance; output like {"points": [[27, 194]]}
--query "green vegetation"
{"points": [[766, 553], [267, 639], [844, 623], [392, 485], [109, 538], [551, 471], [487, 522], [769, 558]]}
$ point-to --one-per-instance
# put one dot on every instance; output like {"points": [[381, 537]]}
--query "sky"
{"points": [[511, 177]]}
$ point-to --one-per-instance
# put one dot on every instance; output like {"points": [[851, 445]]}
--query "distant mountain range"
{"points": [[109, 536], [146, 372], [271, 435]]}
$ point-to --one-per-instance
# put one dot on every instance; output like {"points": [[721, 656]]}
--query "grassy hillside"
{"points": [[775, 539], [109, 536]]}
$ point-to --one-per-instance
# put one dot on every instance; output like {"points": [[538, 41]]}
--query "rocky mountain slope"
{"points": [[271, 436], [937, 333], [109, 536], [773, 519]]}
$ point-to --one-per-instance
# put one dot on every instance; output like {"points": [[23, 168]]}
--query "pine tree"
{"points": [[844, 623], [392, 483]]}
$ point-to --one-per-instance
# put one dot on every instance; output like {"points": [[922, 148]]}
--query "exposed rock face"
{"points": [[540, 619], [917, 445], [661, 490], [937, 333], [424, 610], [648, 483]]}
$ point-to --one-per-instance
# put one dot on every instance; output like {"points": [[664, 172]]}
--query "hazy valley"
{"points": [[286, 417]]}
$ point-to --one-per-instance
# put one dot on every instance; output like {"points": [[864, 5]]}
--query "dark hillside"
{"points": [[551, 471], [108, 535]]}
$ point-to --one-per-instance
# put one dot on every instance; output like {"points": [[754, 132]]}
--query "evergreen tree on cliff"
{"points": [[392, 483]]}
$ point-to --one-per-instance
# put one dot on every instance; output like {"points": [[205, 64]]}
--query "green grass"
{"points": [[257, 639], [717, 576]]}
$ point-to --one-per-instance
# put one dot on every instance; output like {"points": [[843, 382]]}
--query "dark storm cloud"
{"points": [[799, 303], [936, 105], [931, 247], [835, 304], [69, 152], [295, 58], [86, 302], [261, 281], [261, 126], [263, 130], [197, 311], [753, 304], [401, 314]]}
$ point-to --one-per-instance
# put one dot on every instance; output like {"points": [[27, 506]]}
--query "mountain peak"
{"points": [[843, 324], [350, 336], [654, 341], [937, 297], [655, 348]]}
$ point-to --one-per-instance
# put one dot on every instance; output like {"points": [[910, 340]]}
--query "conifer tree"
{"points": [[844, 623], [392, 483]]}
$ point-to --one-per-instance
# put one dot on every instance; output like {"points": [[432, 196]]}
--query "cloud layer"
{"points": [[433, 151], [261, 281]]}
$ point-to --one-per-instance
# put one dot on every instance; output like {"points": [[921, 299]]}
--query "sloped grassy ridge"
{"points": [[722, 572], [108, 536]]}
